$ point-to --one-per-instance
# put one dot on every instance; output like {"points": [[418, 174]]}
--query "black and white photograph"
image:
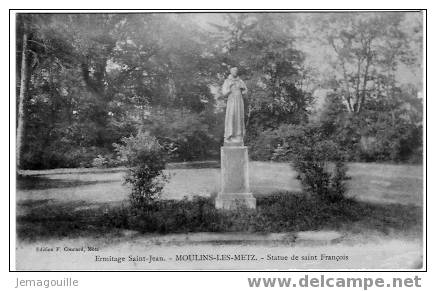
{"points": [[218, 140]]}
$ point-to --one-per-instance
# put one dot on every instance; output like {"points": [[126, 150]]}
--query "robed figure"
{"points": [[235, 188], [234, 126]]}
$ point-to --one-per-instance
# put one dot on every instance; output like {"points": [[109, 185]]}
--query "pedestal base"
{"points": [[235, 190]]}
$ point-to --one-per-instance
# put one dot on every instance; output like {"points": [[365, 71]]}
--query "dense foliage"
{"points": [[318, 160], [385, 131], [86, 81], [146, 160]]}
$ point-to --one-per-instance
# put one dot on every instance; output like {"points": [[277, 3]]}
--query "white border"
{"points": [[197, 281]]}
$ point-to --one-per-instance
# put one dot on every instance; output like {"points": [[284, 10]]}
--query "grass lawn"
{"points": [[380, 225], [380, 183], [68, 202]]}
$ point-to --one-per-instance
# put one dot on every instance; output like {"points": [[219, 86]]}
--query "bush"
{"points": [[61, 155], [146, 160], [105, 161], [384, 131], [166, 216], [319, 161], [279, 212], [262, 147], [99, 162], [398, 142]]}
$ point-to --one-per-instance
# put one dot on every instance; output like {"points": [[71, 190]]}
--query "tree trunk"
{"points": [[365, 81], [21, 101], [347, 86]]}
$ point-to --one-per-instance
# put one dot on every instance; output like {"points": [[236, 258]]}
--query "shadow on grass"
{"points": [[281, 212], [195, 165], [39, 183]]}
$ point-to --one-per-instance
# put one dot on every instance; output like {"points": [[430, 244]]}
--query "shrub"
{"points": [[186, 215], [60, 155], [398, 142], [146, 161], [105, 161], [262, 147], [384, 131], [319, 161], [278, 212], [99, 162]]}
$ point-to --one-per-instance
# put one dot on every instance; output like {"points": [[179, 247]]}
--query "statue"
{"points": [[234, 126], [235, 189]]}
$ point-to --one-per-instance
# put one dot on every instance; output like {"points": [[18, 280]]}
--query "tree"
{"points": [[85, 81], [95, 78], [370, 62], [33, 48], [22, 96], [365, 53], [262, 46]]}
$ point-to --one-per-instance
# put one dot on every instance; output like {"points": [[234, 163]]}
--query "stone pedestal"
{"points": [[235, 190]]}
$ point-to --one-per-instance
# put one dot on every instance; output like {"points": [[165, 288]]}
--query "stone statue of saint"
{"points": [[234, 127], [235, 188]]}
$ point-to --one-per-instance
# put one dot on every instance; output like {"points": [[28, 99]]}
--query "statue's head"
{"points": [[234, 71]]}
